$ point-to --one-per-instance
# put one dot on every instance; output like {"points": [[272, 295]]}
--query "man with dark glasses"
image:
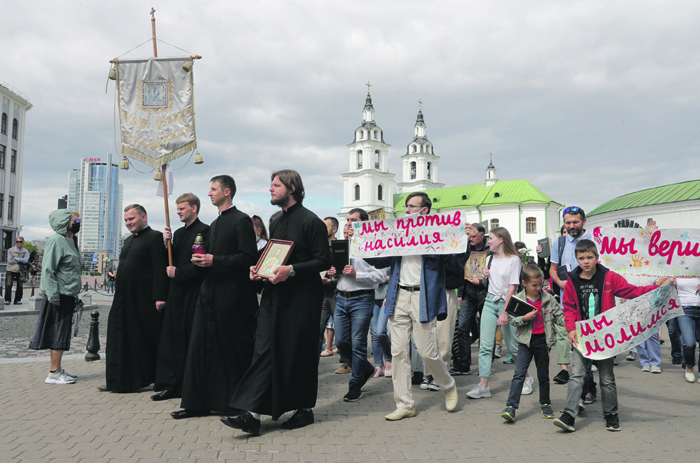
{"points": [[16, 255]]}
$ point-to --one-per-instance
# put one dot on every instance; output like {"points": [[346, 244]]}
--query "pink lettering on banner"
{"points": [[595, 348], [667, 249], [586, 329], [610, 246], [609, 341], [437, 238], [603, 321], [624, 337], [673, 304]]}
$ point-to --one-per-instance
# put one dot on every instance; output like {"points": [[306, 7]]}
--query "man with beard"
{"points": [[221, 344], [135, 319], [284, 373], [563, 261], [185, 280]]}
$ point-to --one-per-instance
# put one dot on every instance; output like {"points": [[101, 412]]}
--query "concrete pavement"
{"points": [[77, 423]]}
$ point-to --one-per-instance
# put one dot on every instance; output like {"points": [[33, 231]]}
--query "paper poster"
{"points": [[645, 252], [627, 324], [415, 235]]}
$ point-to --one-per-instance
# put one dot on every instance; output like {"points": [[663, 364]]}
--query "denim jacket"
{"points": [[433, 300], [554, 326]]}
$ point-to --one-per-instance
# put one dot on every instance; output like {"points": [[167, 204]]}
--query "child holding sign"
{"points": [[590, 290], [536, 333]]}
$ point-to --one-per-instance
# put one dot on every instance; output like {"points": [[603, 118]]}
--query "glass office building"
{"points": [[95, 192]]}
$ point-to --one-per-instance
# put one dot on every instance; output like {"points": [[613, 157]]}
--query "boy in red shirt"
{"points": [[590, 290]]}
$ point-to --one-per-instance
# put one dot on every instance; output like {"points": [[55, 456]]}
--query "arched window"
{"points": [[3, 127], [376, 159], [531, 225], [380, 193], [413, 170], [428, 171], [357, 192], [375, 135], [497, 195], [359, 159], [415, 149], [15, 128], [494, 223]]}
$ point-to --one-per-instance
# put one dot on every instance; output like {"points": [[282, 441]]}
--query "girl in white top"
{"points": [[503, 274], [689, 294]]}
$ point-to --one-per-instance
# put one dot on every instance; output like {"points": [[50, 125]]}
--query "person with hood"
{"points": [[60, 283]]}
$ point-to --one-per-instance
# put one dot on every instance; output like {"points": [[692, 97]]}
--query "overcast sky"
{"points": [[586, 100]]}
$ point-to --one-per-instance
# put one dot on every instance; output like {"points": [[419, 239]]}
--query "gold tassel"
{"points": [[125, 164], [187, 67], [157, 176], [113, 74], [198, 158]]}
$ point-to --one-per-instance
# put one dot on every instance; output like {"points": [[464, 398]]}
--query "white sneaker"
{"points": [[527, 385], [594, 368], [690, 377], [60, 377], [479, 392], [498, 352], [631, 356], [68, 374], [656, 370], [646, 368]]}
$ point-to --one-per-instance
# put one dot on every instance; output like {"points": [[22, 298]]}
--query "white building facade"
{"points": [[14, 107]]}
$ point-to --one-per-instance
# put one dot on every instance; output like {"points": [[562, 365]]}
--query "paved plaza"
{"points": [[78, 423]]}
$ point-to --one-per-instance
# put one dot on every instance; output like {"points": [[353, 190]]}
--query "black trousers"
{"points": [[8, 286]]}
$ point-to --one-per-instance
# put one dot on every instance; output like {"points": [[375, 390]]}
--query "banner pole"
{"points": [[153, 30]]}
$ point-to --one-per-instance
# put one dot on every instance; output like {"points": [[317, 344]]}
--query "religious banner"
{"points": [[628, 324], [415, 235], [649, 252], [156, 110]]}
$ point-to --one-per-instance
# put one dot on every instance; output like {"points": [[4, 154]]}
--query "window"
{"points": [[2, 157], [380, 193], [531, 225], [375, 135], [3, 127], [13, 161], [497, 195], [413, 170], [494, 223], [2, 203], [428, 171], [15, 128], [415, 150], [10, 207], [357, 192], [376, 159], [359, 159]]}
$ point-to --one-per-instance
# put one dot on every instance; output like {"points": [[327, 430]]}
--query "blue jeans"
{"points": [[650, 351], [463, 334], [690, 325], [674, 333], [538, 349], [352, 318], [110, 286], [489, 323], [381, 343]]}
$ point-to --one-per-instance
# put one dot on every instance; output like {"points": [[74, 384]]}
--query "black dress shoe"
{"points": [[300, 419], [188, 413], [245, 422], [164, 395]]}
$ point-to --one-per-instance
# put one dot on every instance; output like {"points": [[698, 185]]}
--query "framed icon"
{"points": [[475, 266], [276, 253]]}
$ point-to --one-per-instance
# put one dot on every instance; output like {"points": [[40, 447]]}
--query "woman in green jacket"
{"points": [[60, 283]]}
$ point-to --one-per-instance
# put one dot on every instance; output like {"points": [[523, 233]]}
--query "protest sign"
{"points": [[624, 326], [415, 235], [648, 252]]}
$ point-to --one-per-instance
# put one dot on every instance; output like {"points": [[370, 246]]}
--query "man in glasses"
{"points": [[15, 256]]}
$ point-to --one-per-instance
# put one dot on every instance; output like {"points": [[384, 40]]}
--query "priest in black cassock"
{"points": [[284, 372], [185, 280], [136, 317], [221, 344]]}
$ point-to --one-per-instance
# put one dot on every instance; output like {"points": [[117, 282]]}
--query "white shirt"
{"points": [[687, 288], [503, 273], [410, 270], [367, 277]]}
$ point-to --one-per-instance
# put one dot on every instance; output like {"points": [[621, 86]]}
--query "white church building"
{"points": [[527, 212]]}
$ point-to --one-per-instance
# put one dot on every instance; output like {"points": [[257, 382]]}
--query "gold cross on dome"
{"points": [[368, 86], [419, 104]]}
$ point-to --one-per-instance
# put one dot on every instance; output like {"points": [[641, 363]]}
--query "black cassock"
{"points": [[179, 313], [221, 343], [284, 373], [134, 324]]}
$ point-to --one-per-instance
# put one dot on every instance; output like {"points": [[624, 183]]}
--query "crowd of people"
{"points": [[193, 317]]}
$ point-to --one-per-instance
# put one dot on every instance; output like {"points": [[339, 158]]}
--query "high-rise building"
{"points": [[95, 192], [13, 109]]}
